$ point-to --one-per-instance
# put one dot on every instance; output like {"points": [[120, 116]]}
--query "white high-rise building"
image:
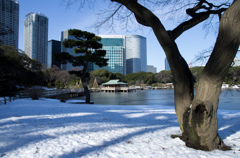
{"points": [[9, 22], [136, 53], [36, 37]]}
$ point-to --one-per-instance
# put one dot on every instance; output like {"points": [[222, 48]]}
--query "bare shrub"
{"points": [[35, 92]]}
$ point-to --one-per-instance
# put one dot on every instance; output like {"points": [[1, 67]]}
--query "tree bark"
{"points": [[5, 100], [196, 115], [201, 122], [84, 82], [183, 81]]}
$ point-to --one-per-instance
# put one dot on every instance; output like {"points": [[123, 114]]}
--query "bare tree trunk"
{"points": [[200, 125], [183, 81], [196, 116], [5, 100], [84, 82]]}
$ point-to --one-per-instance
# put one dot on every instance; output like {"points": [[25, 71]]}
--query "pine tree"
{"points": [[95, 84], [87, 45]]}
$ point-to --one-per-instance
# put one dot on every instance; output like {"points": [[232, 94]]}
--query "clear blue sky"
{"points": [[62, 18]]}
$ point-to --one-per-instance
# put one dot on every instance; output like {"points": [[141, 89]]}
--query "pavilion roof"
{"points": [[115, 82]]}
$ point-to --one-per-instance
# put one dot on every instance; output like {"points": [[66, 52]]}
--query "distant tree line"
{"points": [[232, 77], [18, 71], [65, 78], [154, 79]]}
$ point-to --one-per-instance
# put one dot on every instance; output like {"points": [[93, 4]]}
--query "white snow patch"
{"points": [[136, 115], [47, 128]]}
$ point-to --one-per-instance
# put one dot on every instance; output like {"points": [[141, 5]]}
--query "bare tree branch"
{"points": [[187, 25], [110, 17], [196, 17], [203, 56]]}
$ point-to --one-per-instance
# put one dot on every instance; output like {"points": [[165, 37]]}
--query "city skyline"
{"points": [[125, 54], [62, 18]]}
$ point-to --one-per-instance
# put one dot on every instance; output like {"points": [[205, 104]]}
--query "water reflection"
{"points": [[229, 99]]}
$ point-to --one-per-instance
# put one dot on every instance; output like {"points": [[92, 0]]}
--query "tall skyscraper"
{"points": [[136, 53], [36, 37], [9, 22], [54, 47]]}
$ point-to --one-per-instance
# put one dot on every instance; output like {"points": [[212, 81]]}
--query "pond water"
{"points": [[229, 99]]}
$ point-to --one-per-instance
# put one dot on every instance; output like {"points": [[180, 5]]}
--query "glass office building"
{"points": [[126, 54], [9, 22], [36, 37], [115, 52], [136, 53], [54, 47]]}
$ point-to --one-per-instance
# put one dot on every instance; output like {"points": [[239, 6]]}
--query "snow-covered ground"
{"points": [[48, 128]]}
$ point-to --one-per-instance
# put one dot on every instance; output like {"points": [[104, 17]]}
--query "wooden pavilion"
{"points": [[116, 86]]}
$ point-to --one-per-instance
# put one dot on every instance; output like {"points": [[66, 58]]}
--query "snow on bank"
{"points": [[48, 128]]}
